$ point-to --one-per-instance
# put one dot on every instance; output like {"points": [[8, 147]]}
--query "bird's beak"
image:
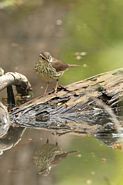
{"points": [[41, 55]]}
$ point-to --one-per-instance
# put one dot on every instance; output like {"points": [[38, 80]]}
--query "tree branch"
{"points": [[75, 107]]}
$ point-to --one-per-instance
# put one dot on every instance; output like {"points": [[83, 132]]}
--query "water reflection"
{"points": [[42, 157], [47, 156], [12, 137]]}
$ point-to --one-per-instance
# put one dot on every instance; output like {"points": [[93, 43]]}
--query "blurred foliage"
{"points": [[9, 3], [94, 27], [25, 5]]}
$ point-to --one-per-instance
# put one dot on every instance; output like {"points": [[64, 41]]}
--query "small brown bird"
{"points": [[50, 68]]}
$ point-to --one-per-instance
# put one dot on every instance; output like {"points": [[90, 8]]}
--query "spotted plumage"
{"points": [[50, 68]]}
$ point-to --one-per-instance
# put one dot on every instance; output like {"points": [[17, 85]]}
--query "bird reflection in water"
{"points": [[48, 156]]}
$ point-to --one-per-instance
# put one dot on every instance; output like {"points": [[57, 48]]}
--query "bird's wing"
{"points": [[59, 66]]}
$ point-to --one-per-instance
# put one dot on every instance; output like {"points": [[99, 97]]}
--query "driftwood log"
{"points": [[9, 135], [84, 107], [92, 106]]}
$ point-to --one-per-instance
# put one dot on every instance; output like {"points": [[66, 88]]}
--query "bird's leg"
{"points": [[45, 92], [56, 87]]}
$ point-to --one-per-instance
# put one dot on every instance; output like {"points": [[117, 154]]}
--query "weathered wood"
{"points": [[4, 120], [20, 81], [9, 136], [79, 107], [12, 138]]}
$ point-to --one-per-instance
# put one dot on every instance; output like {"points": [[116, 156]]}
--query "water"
{"points": [[88, 33], [44, 158]]}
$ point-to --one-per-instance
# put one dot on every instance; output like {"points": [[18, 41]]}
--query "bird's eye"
{"points": [[43, 58]]}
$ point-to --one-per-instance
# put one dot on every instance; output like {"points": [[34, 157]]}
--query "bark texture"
{"points": [[82, 107]]}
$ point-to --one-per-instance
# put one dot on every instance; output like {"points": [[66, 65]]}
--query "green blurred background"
{"points": [[88, 33]]}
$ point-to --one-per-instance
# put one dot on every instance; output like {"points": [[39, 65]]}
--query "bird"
{"points": [[50, 68]]}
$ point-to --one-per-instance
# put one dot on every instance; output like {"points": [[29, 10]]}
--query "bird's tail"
{"points": [[73, 65]]}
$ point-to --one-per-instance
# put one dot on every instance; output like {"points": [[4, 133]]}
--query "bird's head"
{"points": [[46, 56]]}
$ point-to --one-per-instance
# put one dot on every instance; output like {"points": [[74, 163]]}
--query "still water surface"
{"points": [[44, 158]]}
